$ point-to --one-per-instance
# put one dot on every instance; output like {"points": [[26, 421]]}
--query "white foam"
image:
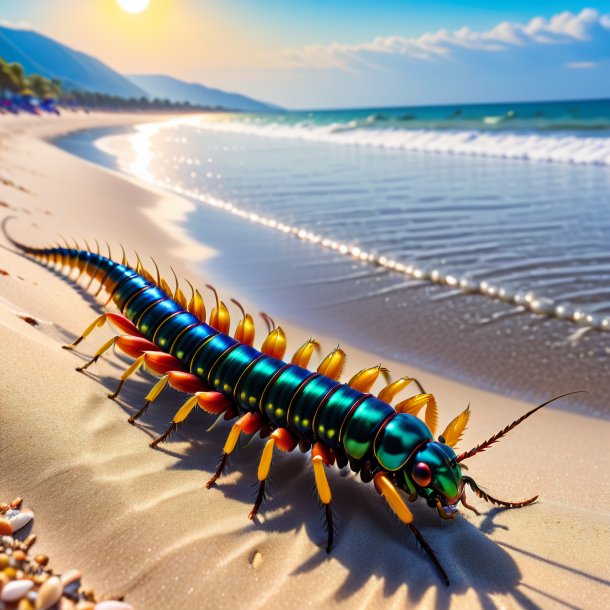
{"points": [[555, 147]]}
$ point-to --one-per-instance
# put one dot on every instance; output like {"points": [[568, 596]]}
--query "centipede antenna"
{"points": [[65, 241], [496, 437], [75, 243], [109, 250], [485, 496], [428, 550]]}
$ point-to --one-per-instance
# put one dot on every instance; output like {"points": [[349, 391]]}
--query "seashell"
{"points": [[15, 590], [70, 577], [113, 605], [49, 593], [21, 519], [11, 513], [6, 528]]}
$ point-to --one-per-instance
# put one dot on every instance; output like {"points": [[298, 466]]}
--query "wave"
{"points": [[556, 148]]}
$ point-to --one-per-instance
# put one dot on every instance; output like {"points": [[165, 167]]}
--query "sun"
{"points": [[133, 6]]}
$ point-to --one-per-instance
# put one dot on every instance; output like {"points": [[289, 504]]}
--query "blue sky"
{"points": [[347, 53]]}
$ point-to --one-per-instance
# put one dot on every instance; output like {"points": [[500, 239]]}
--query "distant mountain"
{"points": [[76, 70], [167, 87]]}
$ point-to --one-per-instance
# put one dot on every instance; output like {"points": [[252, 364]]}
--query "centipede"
{"points": [[286, 403]]}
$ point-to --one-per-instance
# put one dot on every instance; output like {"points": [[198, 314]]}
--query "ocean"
{"points": [[460, 236]]}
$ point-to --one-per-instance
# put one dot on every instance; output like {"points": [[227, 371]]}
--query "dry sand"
{"points": [[139, 522]]}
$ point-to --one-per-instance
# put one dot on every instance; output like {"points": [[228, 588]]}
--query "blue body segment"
{"points": [[190, 341], [211, 350], [155, 315], [306, 401], [250, 388], [278, 395]]}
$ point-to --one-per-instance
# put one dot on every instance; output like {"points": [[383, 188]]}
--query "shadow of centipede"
{"points": [[472, 560]]}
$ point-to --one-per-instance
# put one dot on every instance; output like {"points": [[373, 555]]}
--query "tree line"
{"points": [[14, 80]]}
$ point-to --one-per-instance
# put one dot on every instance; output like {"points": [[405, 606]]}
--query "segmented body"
{"points": [[313, 406]]}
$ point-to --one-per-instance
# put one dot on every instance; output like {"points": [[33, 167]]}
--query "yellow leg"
{"points": [[180, 416], [97, 323], [325, 496], [150, 397], [388, 491], [135, 366], [230, 445], [99, 352], [263, 472]]}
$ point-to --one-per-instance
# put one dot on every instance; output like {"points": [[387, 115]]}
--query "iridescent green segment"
{"points": [[330, 417], [362, 426], [250, 388], [211, 351], [227, 372], [277, 397], [400, 437], [306, 402]]}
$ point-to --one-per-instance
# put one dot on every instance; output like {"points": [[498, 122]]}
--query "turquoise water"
{"points": [[591, 115]]}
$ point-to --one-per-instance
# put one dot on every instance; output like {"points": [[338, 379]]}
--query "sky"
{"points": [[346, 53]]}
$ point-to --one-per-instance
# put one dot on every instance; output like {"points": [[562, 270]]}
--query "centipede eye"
{"points": [[421, 474]]}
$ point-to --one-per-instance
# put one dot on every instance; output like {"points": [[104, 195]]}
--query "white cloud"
{"points": [[562, 29], [580, 65]]}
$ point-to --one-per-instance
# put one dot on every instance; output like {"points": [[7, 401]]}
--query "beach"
{"points": [[139, 522]]}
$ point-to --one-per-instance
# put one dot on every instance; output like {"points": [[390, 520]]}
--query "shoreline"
{"points": [[78, 443], [465, 336]]}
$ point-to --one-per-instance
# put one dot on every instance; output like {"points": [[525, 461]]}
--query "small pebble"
{"points": [[41, 559], [6, 529], [3, 561], [70, 577], [21, 519], [19, 555], [49, 593], [113, 605], [84, 605], [17, 502], [15, 590]]}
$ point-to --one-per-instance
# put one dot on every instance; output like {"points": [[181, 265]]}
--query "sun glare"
{"points": [[133, 6]]}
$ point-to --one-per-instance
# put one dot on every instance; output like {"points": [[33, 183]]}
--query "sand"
{"points": [[139, 522]]}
